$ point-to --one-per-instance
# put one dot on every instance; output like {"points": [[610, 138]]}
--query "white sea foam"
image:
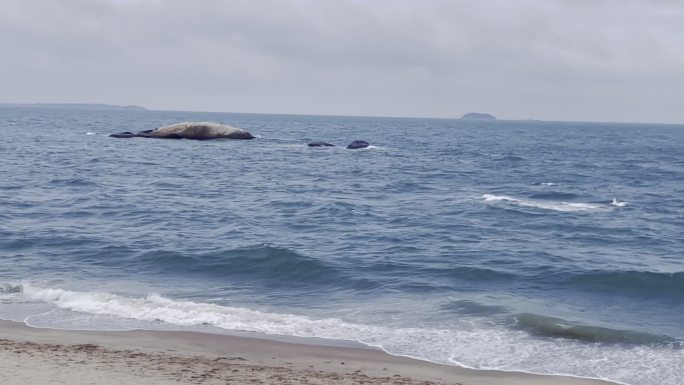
{"points": [[371, 147], [618, 203], [90, 133], [544, 204], [469, 345]]}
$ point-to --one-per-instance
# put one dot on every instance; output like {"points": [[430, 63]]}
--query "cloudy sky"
{"points": [[593, 60]]}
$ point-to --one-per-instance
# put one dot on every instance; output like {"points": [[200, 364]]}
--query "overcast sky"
{"points": [[592, 60]]}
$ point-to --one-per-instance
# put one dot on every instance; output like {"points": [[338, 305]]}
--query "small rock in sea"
{"points": [[320, 144], [358, 144], [123, 135]]}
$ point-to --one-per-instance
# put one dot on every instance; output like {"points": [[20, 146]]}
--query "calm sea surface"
{"points": [[535, 246]]}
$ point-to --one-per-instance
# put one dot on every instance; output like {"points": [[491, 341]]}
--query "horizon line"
{"points": [[140, 108]]}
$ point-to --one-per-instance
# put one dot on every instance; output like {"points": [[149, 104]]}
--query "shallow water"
{"points": [[535, 246]]}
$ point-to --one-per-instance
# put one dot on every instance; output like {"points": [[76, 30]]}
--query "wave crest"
{"points": [[11, 289], [547, 204], [469, 346], [635, 283], [269, 265], [558, 328]]}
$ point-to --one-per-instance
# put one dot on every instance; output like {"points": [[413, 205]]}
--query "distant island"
{"points": [[77, 106], [478, 116]]}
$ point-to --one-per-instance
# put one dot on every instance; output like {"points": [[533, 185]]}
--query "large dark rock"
{"points": [[190, 130], [358, 144], [198, 131]]}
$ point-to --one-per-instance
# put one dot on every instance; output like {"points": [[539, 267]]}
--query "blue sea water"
{"points": [[536, 246]]}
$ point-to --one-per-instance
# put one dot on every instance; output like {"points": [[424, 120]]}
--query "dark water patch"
{"points": [[43, 242], [415, 276], [632, 283], [508, 159], [289, 205], [341, 209], [11, 187], [105, 255], [268, 265], [469, 274], [403, 286], [72, 182], [592, 239], [164, 185], [555, 195], [79, 214], [405, 186], [542, 326], [468, 307]]}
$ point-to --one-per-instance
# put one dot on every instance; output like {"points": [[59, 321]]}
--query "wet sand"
{"points": [[46, 356]]}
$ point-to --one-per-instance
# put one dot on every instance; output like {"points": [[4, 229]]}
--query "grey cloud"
{"points": [[547, 59]]}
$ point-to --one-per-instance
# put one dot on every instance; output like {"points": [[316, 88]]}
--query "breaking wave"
{"points": [[267, 264], [517, 348], [558, 328], [555, 205], [634, 283], [11, 289]]}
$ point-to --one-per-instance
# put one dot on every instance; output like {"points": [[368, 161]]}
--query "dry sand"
{"points": [[45, 356]]}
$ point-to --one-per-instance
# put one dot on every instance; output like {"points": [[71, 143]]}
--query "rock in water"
{"points": [[198, 131], [358, 144], [320, 144], [123, 135]]}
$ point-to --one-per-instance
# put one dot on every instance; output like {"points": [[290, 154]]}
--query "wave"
{"points": [[547, 204], [156, 308], [509, 158], [468, 307], [634, 283], [73, 182], [475, 274], [269, 265], [558, 328], [503, 158], [11, 289], [470, 345]]}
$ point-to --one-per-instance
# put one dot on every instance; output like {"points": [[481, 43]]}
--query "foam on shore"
{"points": [[28, 357]]}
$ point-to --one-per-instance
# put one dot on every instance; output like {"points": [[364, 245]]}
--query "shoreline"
{"points": [[31, 355]]}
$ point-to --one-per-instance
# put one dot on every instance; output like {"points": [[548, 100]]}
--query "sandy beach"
{"points": [[48, 356]]}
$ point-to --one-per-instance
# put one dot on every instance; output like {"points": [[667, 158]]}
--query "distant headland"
{"points": [[76, 106], [478, 116]]}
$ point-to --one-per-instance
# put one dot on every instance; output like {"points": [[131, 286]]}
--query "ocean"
{"points": [[544, 247]]}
